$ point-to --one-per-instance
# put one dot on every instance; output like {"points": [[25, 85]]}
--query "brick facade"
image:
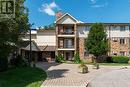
{"points": [[81, 47], [116, 47]]}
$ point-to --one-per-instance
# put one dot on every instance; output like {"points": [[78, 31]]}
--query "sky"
{"points": [[42, 12]]}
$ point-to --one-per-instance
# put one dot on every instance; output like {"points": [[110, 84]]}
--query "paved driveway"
{"points": [[118, 78], [68, 74]]}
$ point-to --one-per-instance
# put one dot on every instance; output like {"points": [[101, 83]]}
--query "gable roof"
{"points": [[26, 46], [69, 16]]}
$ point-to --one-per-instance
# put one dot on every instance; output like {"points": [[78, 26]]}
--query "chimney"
{"points": [[58, 14]]}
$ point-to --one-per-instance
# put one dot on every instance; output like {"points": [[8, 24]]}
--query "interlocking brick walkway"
{"points": [[64, 75]]}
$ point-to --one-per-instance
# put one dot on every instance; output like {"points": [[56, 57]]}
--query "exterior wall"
{"points": [[81, 47], [113, 32], [66, 20], [82, 31], [116, 47], [46, 38], [33, 37], [42, 38]]}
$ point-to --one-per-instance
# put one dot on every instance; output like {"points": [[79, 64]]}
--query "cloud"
{"points": [[98, 3], [93, 1], [49, 8]]}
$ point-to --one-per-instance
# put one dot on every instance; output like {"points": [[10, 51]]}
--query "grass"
{"points": [[22, 77], [104, 64], [115, 64]]}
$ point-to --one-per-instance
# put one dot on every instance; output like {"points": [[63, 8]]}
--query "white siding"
{"points": [[46, 38], [67, 20], [33, 37], [115, 32], [82, 31]]}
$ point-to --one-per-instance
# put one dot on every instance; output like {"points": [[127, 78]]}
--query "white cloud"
{"points": [[93, 1], [99, 5], [49, 8]]}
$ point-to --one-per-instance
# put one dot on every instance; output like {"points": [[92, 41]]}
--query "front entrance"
{"points": [[69, 55], [48, 55]]}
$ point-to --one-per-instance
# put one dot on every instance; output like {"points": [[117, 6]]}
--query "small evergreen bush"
{"points": [[120, 59], [60, 58], [77, 58]]}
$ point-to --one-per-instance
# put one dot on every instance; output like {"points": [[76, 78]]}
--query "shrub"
{"points": [[18, 61], [120, 59], [95, 65], [59, 58], [104, 59], [83, 67], [3, 64], [77, 58]]}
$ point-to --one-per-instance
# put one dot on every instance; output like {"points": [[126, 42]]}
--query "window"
{"points": [[129, 53], [129, 40], [68, 43], [122, 53], [122, 40], [115, 40], [115, 54], [81, 32], [122, 28], [68, 30], [87, 28]]}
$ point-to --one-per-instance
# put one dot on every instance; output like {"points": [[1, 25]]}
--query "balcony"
{"points": [[66, 46], [66, 33], [66, 30]]}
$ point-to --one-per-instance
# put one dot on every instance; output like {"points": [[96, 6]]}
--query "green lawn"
{"points": [[115, 64], [104, 64], [22, 77]]}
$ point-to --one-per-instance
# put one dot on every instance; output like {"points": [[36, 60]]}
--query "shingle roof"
{"points": [[26, 46], [47, 48]]}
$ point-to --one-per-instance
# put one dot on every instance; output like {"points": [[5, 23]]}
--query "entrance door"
{"points": [[52, 55], [68, 56]]}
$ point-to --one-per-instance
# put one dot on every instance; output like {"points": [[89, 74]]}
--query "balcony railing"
{"points": [[67, 46], [66, 33]]}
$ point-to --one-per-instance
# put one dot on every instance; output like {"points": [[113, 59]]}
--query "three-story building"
{"points": [[69, 36]]}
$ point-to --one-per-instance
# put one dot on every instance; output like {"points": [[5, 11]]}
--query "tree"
{"points": [[51, 26], [11, 30], [96, 42]]}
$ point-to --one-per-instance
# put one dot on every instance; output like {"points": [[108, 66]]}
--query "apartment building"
{"points": [[69, 36]]}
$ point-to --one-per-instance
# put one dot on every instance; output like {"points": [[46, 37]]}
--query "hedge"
{"points": [[120, 59]]}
